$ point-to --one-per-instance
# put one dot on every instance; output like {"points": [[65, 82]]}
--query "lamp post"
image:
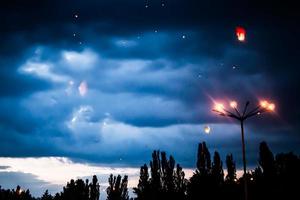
{"points": [[264, 106]]}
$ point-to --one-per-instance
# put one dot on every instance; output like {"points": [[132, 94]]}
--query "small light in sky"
{"points": [[155, 31], [74, 119], [162, 4], [83, 88], [234, 67], [207, 129], [74, 34], [76, 16], [184, 36], [240, 33]]}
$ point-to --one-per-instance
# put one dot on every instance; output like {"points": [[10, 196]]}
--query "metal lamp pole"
{"points": [[264, 106]]}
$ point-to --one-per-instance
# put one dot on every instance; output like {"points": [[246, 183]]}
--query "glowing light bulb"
{"points": [[219, 107], [264, 104], [233, 104], [271, 107]]}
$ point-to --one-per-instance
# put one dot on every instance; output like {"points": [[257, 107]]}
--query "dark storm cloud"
{"points": [[142, 78]]}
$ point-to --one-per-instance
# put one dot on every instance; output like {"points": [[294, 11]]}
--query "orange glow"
{"points": [[219, 107], [240, 33], [271, 107], [264, 104], [233, 104]]}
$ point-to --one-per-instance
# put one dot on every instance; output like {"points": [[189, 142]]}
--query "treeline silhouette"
{"points": [[275, 177]]}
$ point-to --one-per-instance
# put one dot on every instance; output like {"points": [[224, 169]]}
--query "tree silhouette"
{"points": [[231, 189], [17, 194], [167, 169], [142, 190], [165, 182], [57, 197], [264, 184], [231, 169], [217, 169], [155, 180], [266, 160], [80, 190], [117, 189], [203, 159], [94, 188], [47, 196], [180, 183], [201, 183]]}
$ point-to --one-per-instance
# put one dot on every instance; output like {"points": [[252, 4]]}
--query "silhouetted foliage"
{"points": [[47, 196], [208, 179], [117, 189], [217, 169], [79, 190], [203, 159], [93, 188], [231, 169], [274, 178], [17, 194], [143, 190], [266, 160], [166, 181]]}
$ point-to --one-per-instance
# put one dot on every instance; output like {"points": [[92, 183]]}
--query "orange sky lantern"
{"points": [[240, 33]]}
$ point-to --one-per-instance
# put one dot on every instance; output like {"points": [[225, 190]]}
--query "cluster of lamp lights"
{"points": [[264, 106]]}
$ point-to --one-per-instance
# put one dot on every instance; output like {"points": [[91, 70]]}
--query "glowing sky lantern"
{"points": [[240, 34], [207, 129], [83, 88]]}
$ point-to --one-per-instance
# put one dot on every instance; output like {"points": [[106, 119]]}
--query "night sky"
{"points": [[95, 86]]}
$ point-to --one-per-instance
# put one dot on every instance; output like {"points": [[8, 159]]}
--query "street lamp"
{"points": [[263, 106]]}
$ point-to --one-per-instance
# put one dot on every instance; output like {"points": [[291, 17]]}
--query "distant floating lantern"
{"points": [[207, 129], [240, 34]]}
